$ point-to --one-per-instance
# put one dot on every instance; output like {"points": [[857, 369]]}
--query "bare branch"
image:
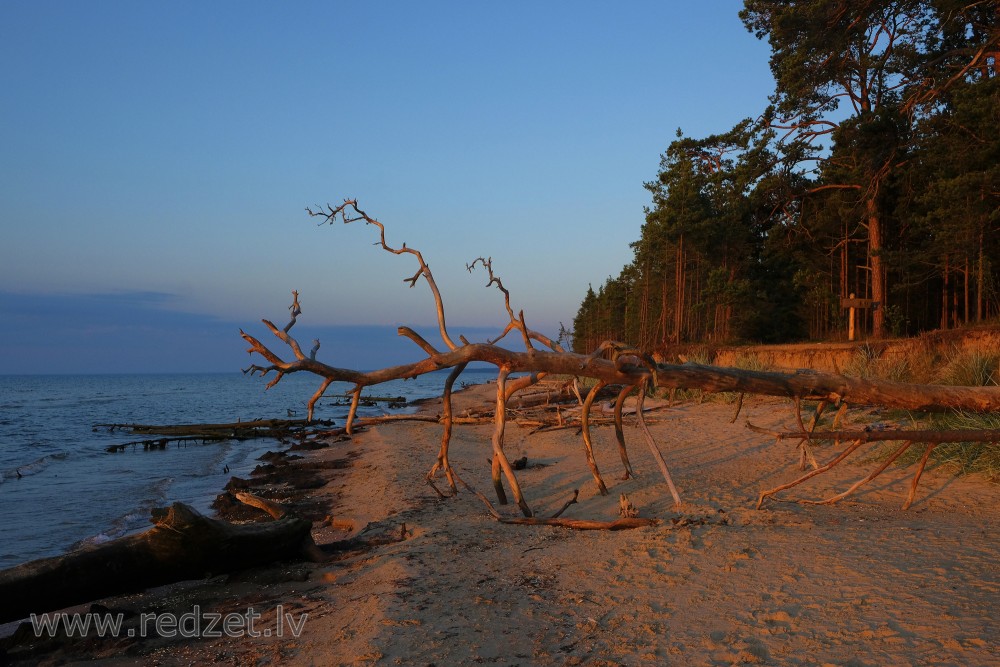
{"points": [[654, 450], [588, 446], [330, 215], [418, 339], [611, 364], [295, 309]]}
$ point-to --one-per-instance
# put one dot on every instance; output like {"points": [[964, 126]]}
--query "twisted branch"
{"points": [[330, 215], [626, 366]]}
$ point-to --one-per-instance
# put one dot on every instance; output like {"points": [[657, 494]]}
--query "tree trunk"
{"points": [[182, 545], [965, 285], [679, 304], [944, 294], [875, 248], [979, 280]]}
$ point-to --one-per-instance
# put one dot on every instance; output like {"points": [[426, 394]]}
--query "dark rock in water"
{"points": [[237, 484], [308, 445], [265, 469]]}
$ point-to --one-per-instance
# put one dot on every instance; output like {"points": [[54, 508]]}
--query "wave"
{"points": [[133, 520], [50, 418], [33, 468]]}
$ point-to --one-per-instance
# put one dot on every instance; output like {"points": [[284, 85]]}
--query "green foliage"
{"points": [[876, 172]]}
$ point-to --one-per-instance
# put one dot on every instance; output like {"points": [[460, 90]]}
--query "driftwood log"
{"points": [[611, 364], [181, 545], [203, 433]]}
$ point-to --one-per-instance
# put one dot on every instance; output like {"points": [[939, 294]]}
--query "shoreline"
{"points": [[723, 583]]}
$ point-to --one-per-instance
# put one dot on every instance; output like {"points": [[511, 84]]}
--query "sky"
{"points": [[156, 160]]}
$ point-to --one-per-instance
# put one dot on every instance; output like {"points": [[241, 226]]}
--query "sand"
{"points": [[717, 582]]}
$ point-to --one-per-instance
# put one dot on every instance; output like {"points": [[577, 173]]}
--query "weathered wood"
{"points": [[273, 509], [812, 473], [858, 438], [204, 433], [653, 449], [587, 444], [500, 462], [875, 435], [806, 384], [214, 429], [181, 545], [620, 432], [401, 400], [447, 419], [626, 366]]}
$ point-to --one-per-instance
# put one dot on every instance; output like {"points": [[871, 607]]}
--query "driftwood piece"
{"points": [[916, 476], [274, 510], [263, 425], [571, 501], [575, 524], [204, 433], [654, 450], [858, 438], [876, 435], [447, 419], [588, 446], [500, 462], [620, 432], [181, 545]]}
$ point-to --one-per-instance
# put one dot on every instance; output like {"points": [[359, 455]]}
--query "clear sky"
{"points": [[156, 159]]}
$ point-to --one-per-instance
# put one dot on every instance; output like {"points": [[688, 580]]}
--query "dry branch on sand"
{"points": [[611, 364], [858, 438]]}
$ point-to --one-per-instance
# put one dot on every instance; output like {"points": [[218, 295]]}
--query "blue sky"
{"points": [[156, 160]]}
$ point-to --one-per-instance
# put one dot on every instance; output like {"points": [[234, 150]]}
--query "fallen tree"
{"points": [[185, 545], [181, 545], [611, 364], [857, 438], [203, 433]]}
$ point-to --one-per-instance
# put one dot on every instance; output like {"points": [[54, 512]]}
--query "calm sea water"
{"points": [[60, 489]]}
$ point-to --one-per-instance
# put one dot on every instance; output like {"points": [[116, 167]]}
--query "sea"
{"points": [[60, 489]]}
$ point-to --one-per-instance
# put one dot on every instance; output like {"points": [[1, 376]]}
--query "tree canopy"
{"points": [[875, 173]]}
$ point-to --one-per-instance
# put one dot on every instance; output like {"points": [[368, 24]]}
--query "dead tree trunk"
{"points": [[182, 545], [623, 367]]}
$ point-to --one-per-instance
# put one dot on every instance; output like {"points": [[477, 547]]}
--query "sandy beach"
{"points": [[432, 581]]}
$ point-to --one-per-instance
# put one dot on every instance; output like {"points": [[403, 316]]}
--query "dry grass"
{"points": [[971, 367]]}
